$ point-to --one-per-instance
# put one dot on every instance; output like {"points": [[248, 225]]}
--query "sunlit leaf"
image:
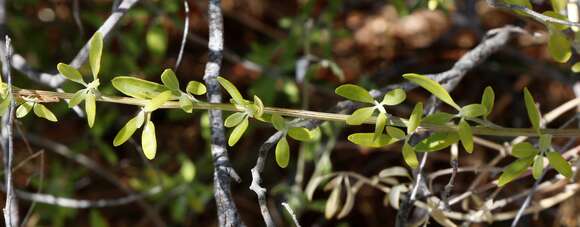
{"points": [[185, 104], [488, 100], [169, 79], [533, 112], [90, 108], [231, 89], [333, 203], [465, 135], [558, 5], [24, 109], [127, 131], [415, 118], [234, 119], [367, 139], [380, 124], [77, 98], [354, 93], [158, 101], [437, 141], [137, 88], [156, 39], [278, 122], [149, 140], [559, 163], [196, 88], [282, 152], [410, 156], [300, 134], [538, 167], [394, 97], [95, 52], [473, 110], [259, 107], [559, 47], [187, 170], [576, 67], [360, 115], [524, 150], [70, 73], [43, 112], [438, 118], [395, 132], [238, 132], [433, 87], [514, 170]]}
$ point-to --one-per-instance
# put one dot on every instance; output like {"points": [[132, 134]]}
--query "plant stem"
{"points": [[50, 96]]}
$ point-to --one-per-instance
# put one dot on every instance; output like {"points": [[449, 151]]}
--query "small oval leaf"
{"points": [[95, 53], [538, 167], [559, 47], [559, 163], [126, 132], [438, 118], [43, 112], [231, 89], [137, 88], [514, 170], [394, 97], [278, 122], [158, 101], [300, 134], [149, 140], [77, 98], [380, 124], [169, 79], [367, 140], [465, 135], [524, 150], [360, 115], [533, 112], [234, 119], [90, 108], [437, 141], [473, 111], [196, 88], [415, 118], [487, 100], [395, 132], [433, 87], [410, 156], [70, 73], [282, 152], [24, 109], [354, 93], [238, 132]]}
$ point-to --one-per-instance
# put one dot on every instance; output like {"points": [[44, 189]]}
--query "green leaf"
{"points": [[437, 141], [282, 152], [380, 124], [438, 118], [77, 98], [465, 135], [556, 26], [95, 52], [149, 141], [234, 119], [559, 47], [488, 100], [533, 112], [545, 142], [558, 5], [127, 131], [70, 73], [156, 39], [472, 111], [367, 140], [4, 105], [137, 88], [259, 107], [90, 108], [278, 122], [360, 115], [410, 156], [185, 103], [158, 101], [300, 134], [394, 97], [231, 89], [524, 150], [238, 132], [395, 132], [514, 170], [24, 109], [41, 111], [169, 79], [433, 87], [196, 88], [538, 167], [187, 170], [559, 163], [354, 93], [576, 67], [415, 118]]}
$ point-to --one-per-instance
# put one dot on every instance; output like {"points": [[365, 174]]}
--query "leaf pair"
{"points": [[38, 109], [148, 138], [186, 98], [90, 92], [240, 121], [298, 133]]}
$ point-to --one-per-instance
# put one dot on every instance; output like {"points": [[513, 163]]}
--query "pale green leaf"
{"points": [[158, 101], [43, 112], [185, 104], [394, 97], [367, 139], [187, 170], [465, 135], [70, 73], [395, 132], [300, 134], [196, 88], [559, 163], [77, 98], [433, 87], [559, 47], [380, 124], [137, 88], [558, 5], [231, 89], [238, 132], [169, 79], [538, 167], [415, 118], [24, 109], [410, 156], [576, 67], [127, 131], [278, 122], [488, 100], [95, 53], [234, 119], [438, 118], [533, 112], [514, 170], [156, 39], [282, 152], [437, 141], [259, 107], [354, 93], [90, 108], [472, 111], [524, 150], [149, 140], [360, 115]]}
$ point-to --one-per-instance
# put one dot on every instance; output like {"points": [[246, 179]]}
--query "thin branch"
{"points": [[533, 14], [184, 37], [292, 214]]}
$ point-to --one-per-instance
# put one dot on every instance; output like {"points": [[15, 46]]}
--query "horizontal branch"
{"points": [[50, 96]]}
